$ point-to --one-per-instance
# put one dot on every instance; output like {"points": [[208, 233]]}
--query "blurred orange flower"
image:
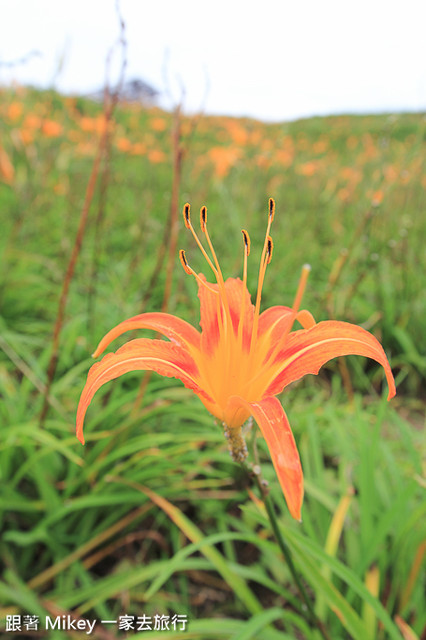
{"points": [[123, 144], [96, 125], [320, 146], [377, 197], [14, 111], [156, 156], [391, 173], [158, 124], [138, 149], [32, 121], [27, 135], [284, 156], [308, 168], [223, 158], [51, 128], [7, 171], [237, 132]]}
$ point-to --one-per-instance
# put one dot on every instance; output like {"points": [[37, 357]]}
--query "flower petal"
{"points": [[275, 428], [274, 321], [307, 350], [306, 319], [141, 354], [211, 305], [177, 330]]}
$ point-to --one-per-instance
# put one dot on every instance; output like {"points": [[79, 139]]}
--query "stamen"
{"points": [[203, 218], [271, 209], [188, 225], [269, 250], [191, 272], [224, 319], [246, 241], [186, 215], [184, 262]]}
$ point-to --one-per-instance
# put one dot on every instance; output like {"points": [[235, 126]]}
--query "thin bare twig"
{"points": [[106, 166], [110, 101], [174, 205]]}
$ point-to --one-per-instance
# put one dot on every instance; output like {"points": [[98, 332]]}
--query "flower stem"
{"points": [[270, 510], [236, 443]]}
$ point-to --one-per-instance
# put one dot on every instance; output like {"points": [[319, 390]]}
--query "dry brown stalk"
{"points": [[110, 101], [174, 205], [51, 369]]}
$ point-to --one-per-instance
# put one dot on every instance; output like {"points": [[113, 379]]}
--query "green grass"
{"points": [[81, 532]]}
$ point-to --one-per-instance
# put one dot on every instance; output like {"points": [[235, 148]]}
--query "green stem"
{"points": [[288, 556]]}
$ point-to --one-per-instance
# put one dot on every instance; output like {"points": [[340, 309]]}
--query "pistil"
{"points": [[305, 319], [295, 308]]}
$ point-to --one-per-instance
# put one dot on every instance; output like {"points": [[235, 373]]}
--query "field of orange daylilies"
{"points": [[314, 531]]}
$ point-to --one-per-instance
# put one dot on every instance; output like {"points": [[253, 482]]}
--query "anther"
{"points": [[246, 240], [186, 215], [271, 209], [184, 261], [203, 218], [269, 250]]}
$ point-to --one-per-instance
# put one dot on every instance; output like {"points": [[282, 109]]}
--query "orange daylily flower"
{"points": [[51, 128], [241, 359]]}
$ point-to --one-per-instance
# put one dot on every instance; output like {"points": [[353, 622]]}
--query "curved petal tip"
{"points": [[275, 428]]}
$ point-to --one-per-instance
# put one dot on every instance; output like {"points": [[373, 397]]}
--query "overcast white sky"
{"points": [[270, 59]]}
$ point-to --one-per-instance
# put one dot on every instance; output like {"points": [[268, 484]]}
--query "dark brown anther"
{"points": [[246, 240], [203, 218], [269, 249], [184, 262], [271, 208], [186, 215]]}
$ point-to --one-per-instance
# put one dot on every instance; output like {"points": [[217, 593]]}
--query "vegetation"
{"points": [[152, 516]]}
